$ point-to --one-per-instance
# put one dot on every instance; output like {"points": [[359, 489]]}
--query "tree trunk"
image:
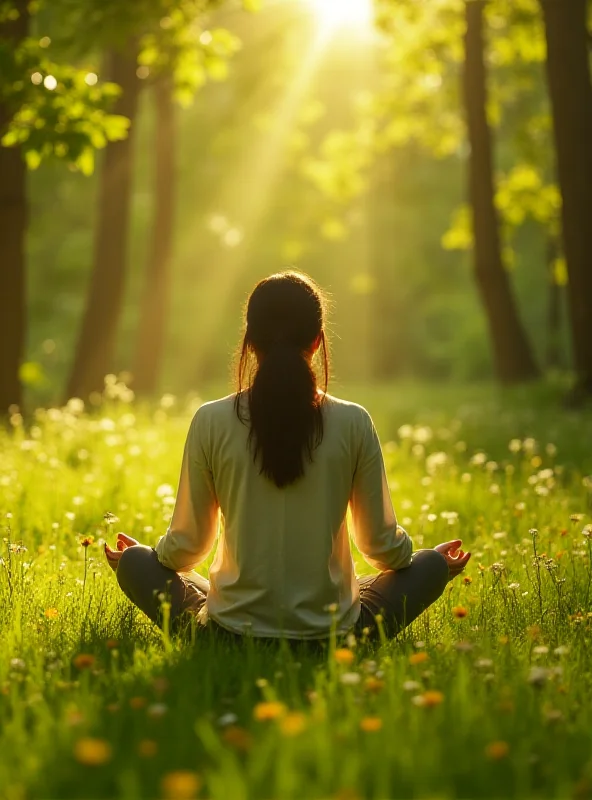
{"points": [[96, 345], [154, 306], [570, 88], [512, 353], [13, 230]]}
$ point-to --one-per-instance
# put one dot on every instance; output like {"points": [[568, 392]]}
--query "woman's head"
{"points": [[285, 320]]}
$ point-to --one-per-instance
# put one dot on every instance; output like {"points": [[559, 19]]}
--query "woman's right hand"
{"points": [[123, 542], [456, 558]]}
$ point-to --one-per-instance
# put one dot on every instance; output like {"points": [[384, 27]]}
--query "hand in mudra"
{"points": [[456, 558], [123, 542]]}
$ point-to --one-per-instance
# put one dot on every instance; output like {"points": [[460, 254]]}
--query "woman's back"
{"points": [[283, 561]]}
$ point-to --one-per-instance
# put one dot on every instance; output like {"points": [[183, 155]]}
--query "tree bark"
{"points": [[13, 231], [155, 300], [512, 353], [96, 344], [570, 89]]}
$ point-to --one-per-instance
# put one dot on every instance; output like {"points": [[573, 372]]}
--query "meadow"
{"points": [[487, 695]]}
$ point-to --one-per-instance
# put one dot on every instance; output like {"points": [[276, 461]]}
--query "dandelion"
{"points": [[418, 658], [497, 750], [552, 714], [147, 748], [264, 712], [467, 580], [83, 661], [293, 723], [538, 676], [109, 518], [344, 656], [429, 699], [459, 612], [157, 710], [514, 586], [587, 531], [92, 752], [227, 719], [373, 684], [371, 724], [180, 785], [51, 613]]}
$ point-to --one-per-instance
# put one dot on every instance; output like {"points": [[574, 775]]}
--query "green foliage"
{"points": [[57, 109]]}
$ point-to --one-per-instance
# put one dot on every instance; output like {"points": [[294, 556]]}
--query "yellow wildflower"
{"points": [[497, 750], [180, 785], [51, 613], [459, 612], [373, 684], [92, 752], [83, 661], [432, 698], [293, 723], [418, 658], [371, 724], [263, 712], [344, 656], [147, 748]]}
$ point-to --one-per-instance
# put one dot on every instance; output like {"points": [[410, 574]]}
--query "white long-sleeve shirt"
{"points": [[283, 558]]}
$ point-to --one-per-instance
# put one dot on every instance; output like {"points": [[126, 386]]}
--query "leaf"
{"points": [[560, 274], [86, 161], [33, 159], [31, 374]]}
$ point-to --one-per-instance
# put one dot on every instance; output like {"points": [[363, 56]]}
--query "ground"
{"points": [[487, 695]]}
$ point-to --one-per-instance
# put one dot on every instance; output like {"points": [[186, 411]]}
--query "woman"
{"points": [[275, 468]]}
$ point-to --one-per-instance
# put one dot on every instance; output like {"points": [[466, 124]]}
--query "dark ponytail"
{"points": [[283, 408]]}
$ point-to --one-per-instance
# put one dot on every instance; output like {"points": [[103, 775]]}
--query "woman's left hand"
{"points": [[113, 556]]}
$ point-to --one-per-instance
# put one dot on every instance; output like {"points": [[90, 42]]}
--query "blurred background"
{"points": [[428, 163]]}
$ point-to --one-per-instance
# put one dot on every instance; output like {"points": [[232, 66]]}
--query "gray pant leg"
{"points": [[143, 578], [401, 595]]}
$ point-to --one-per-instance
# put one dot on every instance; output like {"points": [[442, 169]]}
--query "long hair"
{"points": [[285, 322]]}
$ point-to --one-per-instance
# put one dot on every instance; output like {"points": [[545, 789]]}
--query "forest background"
{"points": [[409, 164]]}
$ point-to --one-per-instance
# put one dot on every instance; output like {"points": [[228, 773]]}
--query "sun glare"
{"points": [[334, 14]]}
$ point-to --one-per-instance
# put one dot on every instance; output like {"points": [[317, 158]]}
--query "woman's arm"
{"points": [[194, 525], [382, 542]]}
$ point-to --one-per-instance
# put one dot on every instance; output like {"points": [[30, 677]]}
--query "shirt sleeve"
{"points": [[194, 524], [382, 542]]}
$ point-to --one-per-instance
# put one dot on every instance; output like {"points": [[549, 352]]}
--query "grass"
{"points": [[487, 695]]}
